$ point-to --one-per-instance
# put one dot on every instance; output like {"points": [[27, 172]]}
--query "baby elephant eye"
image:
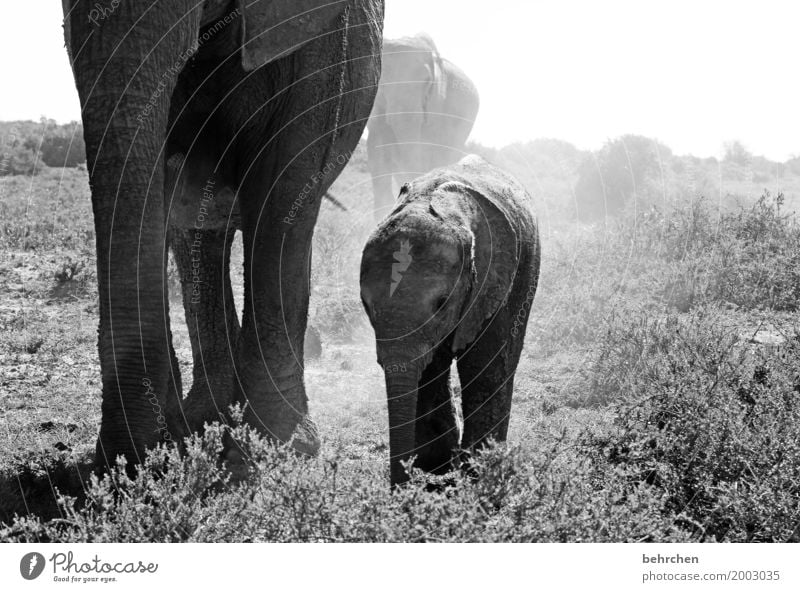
{"points": [[439, 303]]}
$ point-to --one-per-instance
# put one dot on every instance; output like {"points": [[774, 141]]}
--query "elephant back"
{"points": [[463, 99]]}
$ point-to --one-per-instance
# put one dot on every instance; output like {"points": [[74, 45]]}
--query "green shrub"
{"points": [[49, 212], [749, 258], [510, 496], [707, 418]]}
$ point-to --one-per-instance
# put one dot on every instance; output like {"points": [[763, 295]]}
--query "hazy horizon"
{"points": [[692, 77]]}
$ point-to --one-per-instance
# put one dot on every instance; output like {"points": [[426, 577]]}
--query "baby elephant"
{"points": [[450, 273]]}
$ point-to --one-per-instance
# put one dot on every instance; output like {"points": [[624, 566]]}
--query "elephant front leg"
{"points": [[203, 259], [120, 73], [436, 430]]}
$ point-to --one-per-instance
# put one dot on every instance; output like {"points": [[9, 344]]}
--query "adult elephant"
{"points": [[423, 114], [201, 117]]}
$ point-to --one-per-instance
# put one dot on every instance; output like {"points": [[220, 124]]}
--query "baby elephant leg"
{"points": [[486, 370], [436, 427]]}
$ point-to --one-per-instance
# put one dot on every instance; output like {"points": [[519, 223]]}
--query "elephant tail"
{"points": [[335, 201]]}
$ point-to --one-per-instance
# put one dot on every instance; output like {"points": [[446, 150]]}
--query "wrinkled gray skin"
{"points": [[185, 145], [450, 273], [423, 115]]}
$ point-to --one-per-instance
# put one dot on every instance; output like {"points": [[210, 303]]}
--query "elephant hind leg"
{"points": [[203, 259], [436, 428], [288, 154]]}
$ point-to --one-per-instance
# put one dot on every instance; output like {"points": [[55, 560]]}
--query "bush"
{"points": [[685, 259], [709, 420], [18, 159], [749, 258], [52, 213], [510, 496]]}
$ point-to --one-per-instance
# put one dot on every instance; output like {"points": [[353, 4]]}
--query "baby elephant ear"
{"points": [[495, 258]]}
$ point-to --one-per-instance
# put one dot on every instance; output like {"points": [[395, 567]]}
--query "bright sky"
{"points": [[692, 74]]}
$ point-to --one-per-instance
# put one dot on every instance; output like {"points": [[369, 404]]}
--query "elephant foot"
{"points": [[282, 416], [199, 407], [107, 454], [301, 435], [235, 462], [441, 485], [304, 440], [437, 460], [463, 463], [436, 445]]}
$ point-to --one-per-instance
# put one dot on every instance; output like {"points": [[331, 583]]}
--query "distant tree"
{"points": [[20, 160], [26, 146], [59, 145], [623, 168], [736, 153], [793, 164], [62, 146], [16, 155]]}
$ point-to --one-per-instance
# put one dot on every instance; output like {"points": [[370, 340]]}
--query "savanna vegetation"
{"points": [[28, 148], [657, 399]]}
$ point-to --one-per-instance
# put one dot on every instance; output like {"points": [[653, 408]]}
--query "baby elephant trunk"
{"points": [[402, 380]]}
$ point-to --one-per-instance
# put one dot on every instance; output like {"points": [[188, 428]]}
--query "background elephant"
{"points": [[199, 118], [452, 272], [423, 114]]}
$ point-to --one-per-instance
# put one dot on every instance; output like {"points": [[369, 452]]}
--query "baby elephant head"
{"points": [[431, 274]]}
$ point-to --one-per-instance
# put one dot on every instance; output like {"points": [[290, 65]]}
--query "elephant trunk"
{"points": [[125, 79], [402, 381]]}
